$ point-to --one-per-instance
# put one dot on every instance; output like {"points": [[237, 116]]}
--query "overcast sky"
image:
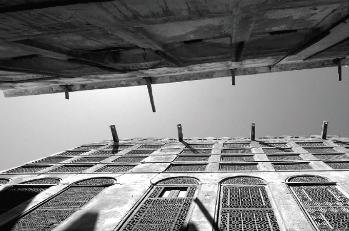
{"points": [[288, 103]]}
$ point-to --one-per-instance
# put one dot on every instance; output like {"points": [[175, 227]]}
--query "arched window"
{"points": [[244, 205], [24, 192], [325, 205], [165, 207], [55, 210]]}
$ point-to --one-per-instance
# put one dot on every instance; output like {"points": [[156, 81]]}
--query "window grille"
{"points": [[196, 151], [291, 166], [244, 205], [192, 158], [55, 210], [338, 164], [273, 145], [236, 145], [165, 207], [3, 181], [311, 144], [186, 168], [331, 156], [194, 146], [28, 169], [125, 159], [141, 152], [88, 147], [150, 146], [284, 157], [52, 160], [71, 168], [53, 181], [104, 152], [237, 150], [325, 205], [320, 150], [237, 158], [276, 150], [119, 147], [72, 153], [20, 193], [88, 159], [238, 167], [115, 168], [342, 143]]}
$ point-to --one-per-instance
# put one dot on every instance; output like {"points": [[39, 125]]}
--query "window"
{"points": [[28, 169], [24, 192], [3, 181], [115, 168], [89, 159], [186, 168], [237, 158], [320, 150], [53, 159], [244, 205], [272, 145], [325, 205], [165, 207], [291, 166], [55, 210], [276, 150], [236, 145], [192, 158], [71, 168], [276, 157], [232, 167], [237, 150], [311, 144], [338, 164]]}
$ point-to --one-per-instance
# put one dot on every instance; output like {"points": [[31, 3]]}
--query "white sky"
{"points": [[288, 103]]}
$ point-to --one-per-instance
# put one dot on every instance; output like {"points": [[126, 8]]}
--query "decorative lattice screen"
{"points": [[51, 213], [237, 158], [325, 205], [160, 211], [192, 158], [291, 166], [238, 167], [186, 167], [115, 168], [244, 205], [339, 164]]}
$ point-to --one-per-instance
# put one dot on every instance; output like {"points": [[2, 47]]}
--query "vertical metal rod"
{"points": [[324, 130], [114, 134], [339, 65], [253, 132], [66, 92], [150, 92], [232, 71], [180, 132]]}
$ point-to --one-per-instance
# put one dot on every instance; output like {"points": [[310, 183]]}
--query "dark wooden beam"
{"points": [[180, 132], [232, 71], [7, 8], [253, 132], [66, 92], [324, 130], [339, 68], [150, 92], [114, 134], [169, 75]]}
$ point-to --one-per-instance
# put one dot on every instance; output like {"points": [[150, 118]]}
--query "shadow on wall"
{"points": [[87, 222], [209, 218]]}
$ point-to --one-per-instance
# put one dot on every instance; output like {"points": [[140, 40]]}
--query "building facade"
{"points": [[273, 183]]}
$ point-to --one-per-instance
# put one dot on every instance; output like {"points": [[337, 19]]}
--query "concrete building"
{"points": [[271, 183]]}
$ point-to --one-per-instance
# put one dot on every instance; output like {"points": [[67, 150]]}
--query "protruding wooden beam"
{"points": [[66, 92], [339, 68], [114, 134], [150, 92], [253, 132], [232, 71], [180, 132], [324, 130]]}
